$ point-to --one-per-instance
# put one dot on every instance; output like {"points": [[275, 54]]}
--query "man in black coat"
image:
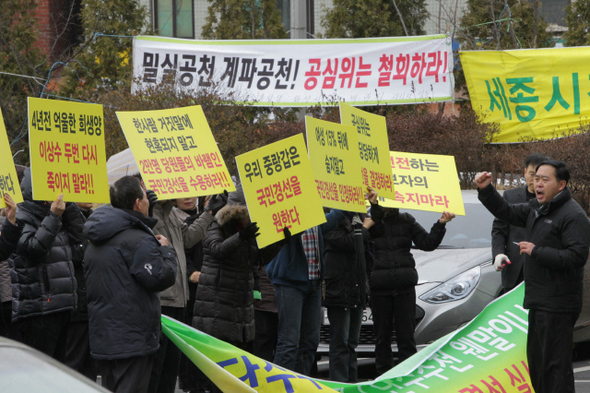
{"points": [[505, 252], [126, 266], [555, 250]]}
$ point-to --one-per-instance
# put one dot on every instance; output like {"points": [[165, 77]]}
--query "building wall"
{"points": [[444, 14], [51, 18]]}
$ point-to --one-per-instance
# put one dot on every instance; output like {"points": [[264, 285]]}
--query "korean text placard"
{"points": [[334, 157], [176, 152], [67, 149], [280, 189]]}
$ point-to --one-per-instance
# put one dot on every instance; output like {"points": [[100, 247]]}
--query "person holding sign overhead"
{"points": [[224, 302], [42, 270], [346, 290], [296, 273], [393, 278]]}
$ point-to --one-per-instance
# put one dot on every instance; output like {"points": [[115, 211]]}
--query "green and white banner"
{"points": [[487, 355], [295, 73]]}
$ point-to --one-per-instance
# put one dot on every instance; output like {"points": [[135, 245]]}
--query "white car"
{"points": [[24, 369]]}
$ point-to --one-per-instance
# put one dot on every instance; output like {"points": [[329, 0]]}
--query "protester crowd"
{"points": [[88, 287]]}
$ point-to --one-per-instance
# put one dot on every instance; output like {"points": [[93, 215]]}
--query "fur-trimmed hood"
{"points": [[231, 212]]}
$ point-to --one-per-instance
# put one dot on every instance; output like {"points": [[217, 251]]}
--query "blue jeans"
{"points": [[299, 326], [345, 330]]}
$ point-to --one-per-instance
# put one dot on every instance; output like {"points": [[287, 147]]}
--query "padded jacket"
{"points": [[394, 268], [224, 302], [345, 274], [560, 231], [125, 269], [42, 267]]}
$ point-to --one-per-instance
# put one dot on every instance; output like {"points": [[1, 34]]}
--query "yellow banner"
{"points": [[425, 182], [66, 142], [531, 94], [335, 162], [176, 152], [280, 189], [373, 146], [8, 177]]}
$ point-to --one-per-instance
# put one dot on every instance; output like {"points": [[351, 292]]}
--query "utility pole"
{"points": [[298, 20]]}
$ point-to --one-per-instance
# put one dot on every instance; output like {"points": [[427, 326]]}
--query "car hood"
{"points": [[444, 263]]}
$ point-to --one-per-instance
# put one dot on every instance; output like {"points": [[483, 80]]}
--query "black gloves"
{"points": [[216, 202], [152, 198], [287, 234], [249, 232]]}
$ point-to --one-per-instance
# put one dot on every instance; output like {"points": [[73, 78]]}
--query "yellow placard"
{"points": [[280, 189], [532, 93], [8, 177], [176, 152], [373, 146], [335, 162], [66, 142], [425, 182]]}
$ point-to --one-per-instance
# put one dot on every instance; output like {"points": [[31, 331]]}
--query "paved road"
{"points": [[582, 375]]}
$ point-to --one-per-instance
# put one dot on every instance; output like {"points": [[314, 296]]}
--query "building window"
{"points": [[174, 18]]}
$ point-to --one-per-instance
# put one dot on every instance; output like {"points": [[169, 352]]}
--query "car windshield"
{"points": [[473, 230]]}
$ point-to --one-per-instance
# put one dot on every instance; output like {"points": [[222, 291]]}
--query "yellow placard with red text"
{"points": [[176, 152], [425, 182], [280, 189], [8, 177], [373, 146], [335, 162], [67, 149]]}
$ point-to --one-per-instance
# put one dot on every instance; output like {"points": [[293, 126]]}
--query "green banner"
{"points": [[486, 355]]}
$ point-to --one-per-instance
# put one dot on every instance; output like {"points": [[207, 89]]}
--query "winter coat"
{"points": [[394, 268], [560, 231], [194, 259], [289, 266], [223, 307], [171, 225], [125, 269], [505, 235], [9, 238], [8, 241], [42, 270], [345, 275]]}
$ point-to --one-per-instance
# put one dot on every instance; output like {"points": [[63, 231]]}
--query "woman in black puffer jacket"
{"points": [[224, 302], [393, 278]]}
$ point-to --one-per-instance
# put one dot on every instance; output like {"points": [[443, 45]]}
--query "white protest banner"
{"points": [[291, 73]]}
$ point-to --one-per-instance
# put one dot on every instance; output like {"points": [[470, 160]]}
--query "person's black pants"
{"points": [[46, 333], [549, 351], [78, 350], [167, 359], [265, 342], [397, 310], [126, 375]]}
